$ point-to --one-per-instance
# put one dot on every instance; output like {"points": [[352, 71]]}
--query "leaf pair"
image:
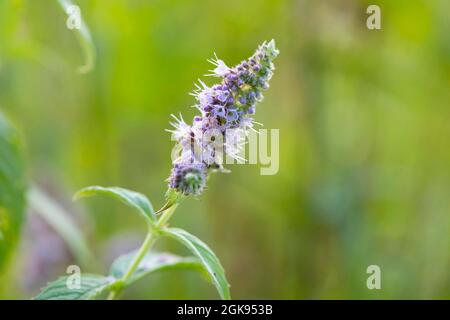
{"points": [[206, 261], [91, 286]]}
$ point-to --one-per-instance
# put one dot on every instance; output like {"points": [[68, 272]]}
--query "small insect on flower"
{"points": [[224, 108]]}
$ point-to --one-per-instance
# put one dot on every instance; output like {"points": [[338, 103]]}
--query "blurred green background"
{"points": [[364, 142]]}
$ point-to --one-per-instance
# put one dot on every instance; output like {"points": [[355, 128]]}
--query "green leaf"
{"points": [[172, 197], [153, 262], [84, 38], [12, 189], [91, 285], [206, 256], [133, 199]]}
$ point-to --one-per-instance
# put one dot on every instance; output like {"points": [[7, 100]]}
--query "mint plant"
{"points": [[225, 118]]}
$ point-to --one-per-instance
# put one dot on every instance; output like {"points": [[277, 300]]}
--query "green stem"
{"points": [[166, 216], [150, 239], [145, 247]]}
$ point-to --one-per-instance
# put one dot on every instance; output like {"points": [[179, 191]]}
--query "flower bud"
{"points": [[188, 178]]}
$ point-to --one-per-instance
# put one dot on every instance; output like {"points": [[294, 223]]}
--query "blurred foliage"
{"points": [[12, 189], [363, 116]]}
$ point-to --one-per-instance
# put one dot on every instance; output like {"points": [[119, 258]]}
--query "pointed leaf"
{"points": [[172, 197], [91, 285], [207, 257], [130, 198], [152, 262]]}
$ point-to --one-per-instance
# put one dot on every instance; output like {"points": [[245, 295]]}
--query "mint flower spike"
{"points": [[226, 109]]}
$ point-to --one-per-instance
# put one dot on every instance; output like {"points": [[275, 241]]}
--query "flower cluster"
{"points": [[226, 116]]}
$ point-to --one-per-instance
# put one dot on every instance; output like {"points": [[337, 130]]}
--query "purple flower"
{"points": [[243, 84], [232, 115], [222, 96], [218, 110]]}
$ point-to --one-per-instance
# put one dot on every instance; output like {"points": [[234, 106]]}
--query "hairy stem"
{"points": [[150, 239]]}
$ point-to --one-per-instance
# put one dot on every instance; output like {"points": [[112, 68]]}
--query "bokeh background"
{"points": [[364, 173]]}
